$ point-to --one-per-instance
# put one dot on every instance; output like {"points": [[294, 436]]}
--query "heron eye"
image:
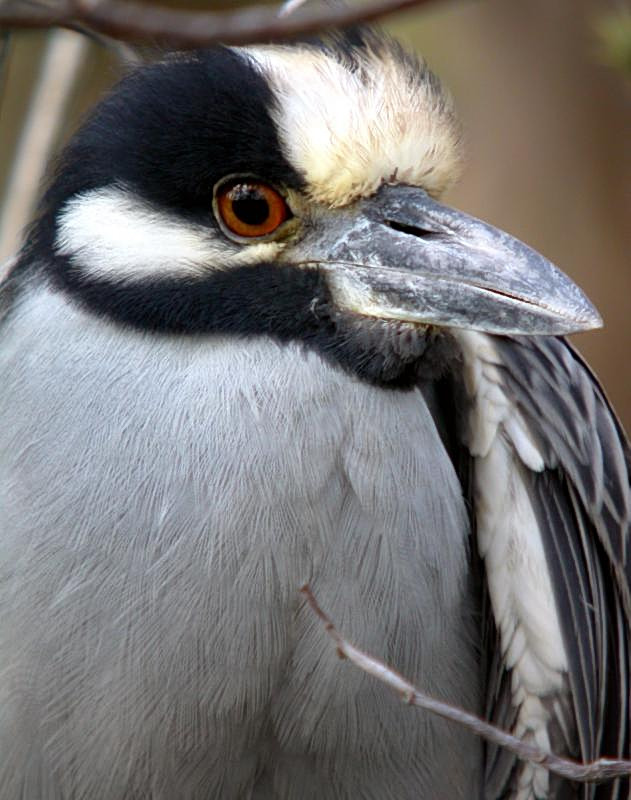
{"points": [[251, 208]]}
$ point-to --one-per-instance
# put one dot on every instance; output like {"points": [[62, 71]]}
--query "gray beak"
{"points": [[401, 255]]}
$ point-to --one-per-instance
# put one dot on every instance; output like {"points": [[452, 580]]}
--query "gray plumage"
{"points": [[197, 571], [200, 414]]}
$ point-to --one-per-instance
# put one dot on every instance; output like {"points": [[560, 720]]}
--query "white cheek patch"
{"points": [[110, 233], [349, 130]]}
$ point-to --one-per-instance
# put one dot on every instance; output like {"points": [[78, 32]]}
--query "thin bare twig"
{"points": [[290, 6], [126, 54], [603, 769], [185, 29]]}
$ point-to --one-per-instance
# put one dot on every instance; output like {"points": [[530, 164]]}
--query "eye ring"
{"points": [[249, 208]]}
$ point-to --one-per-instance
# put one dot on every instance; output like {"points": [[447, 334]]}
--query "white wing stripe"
{"points": [[509, 541]]}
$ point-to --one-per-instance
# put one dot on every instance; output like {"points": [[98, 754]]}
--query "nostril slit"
{"points": [[412, 230]]}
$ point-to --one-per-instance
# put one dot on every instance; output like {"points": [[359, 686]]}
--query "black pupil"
{"points": [[249, 204]]}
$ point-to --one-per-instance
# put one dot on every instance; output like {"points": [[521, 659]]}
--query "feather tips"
{"points": [[552, 486]]}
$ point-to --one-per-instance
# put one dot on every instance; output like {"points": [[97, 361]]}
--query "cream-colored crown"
{"points": [[349, 121]]}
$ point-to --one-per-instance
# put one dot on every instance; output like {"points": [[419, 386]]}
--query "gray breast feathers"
{"points": [[162, 501]]}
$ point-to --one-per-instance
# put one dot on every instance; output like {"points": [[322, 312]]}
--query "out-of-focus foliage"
{"points": [[614, 32]]}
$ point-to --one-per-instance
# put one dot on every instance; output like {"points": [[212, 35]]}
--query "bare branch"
{"points": [[289, 6], [603, 769], [185, 29]]}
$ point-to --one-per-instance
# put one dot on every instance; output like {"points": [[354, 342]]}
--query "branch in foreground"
{"points": [[603, 769], [185, 29]]}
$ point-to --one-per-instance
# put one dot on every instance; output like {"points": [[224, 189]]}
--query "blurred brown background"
{"points": [[545, 104]]}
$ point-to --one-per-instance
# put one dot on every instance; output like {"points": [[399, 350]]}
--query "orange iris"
{"points": [[251, 208]]}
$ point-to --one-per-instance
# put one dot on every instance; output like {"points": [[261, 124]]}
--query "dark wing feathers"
{"points": [[582, 503], [499, 763], [567, 409], [569, 560]]}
